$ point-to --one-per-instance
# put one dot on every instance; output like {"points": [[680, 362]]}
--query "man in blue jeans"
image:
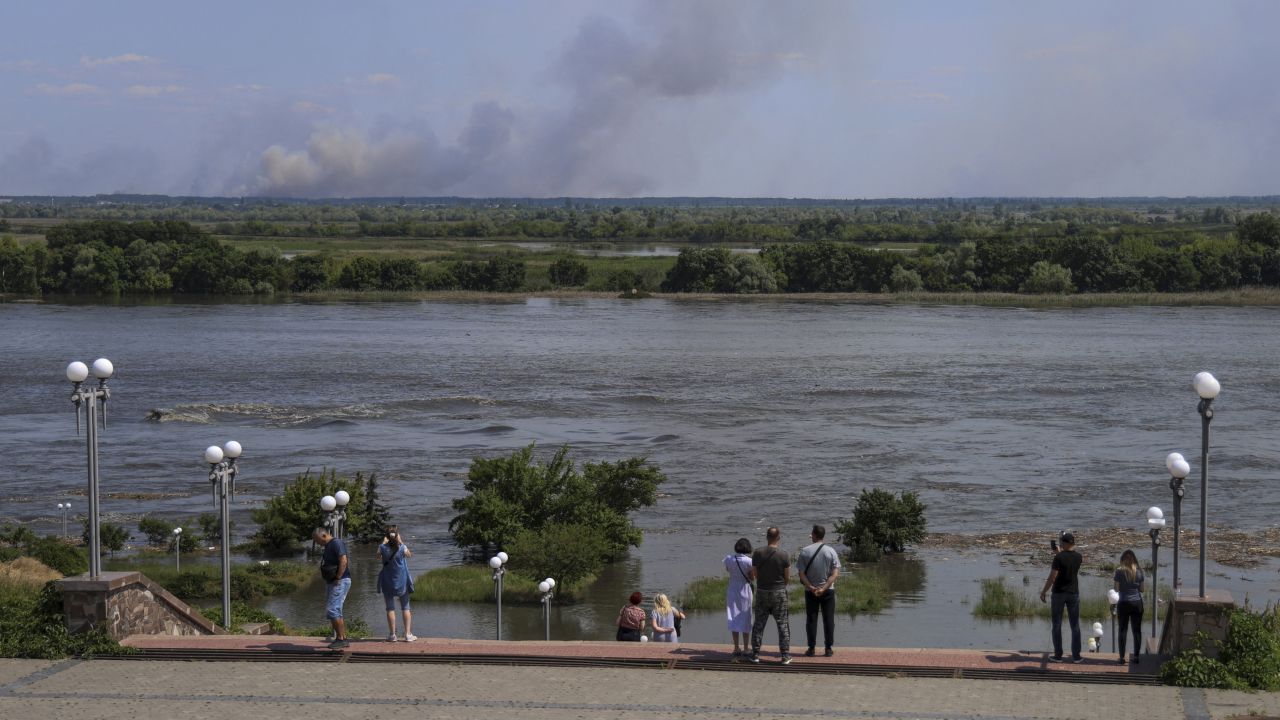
{"points": [[335, 553], [1064, 580]]}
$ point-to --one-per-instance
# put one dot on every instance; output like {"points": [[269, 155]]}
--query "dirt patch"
{"points": [[1102, 546]]}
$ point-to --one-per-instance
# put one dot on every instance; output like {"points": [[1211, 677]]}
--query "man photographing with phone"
{"points": [[1064, 580]]}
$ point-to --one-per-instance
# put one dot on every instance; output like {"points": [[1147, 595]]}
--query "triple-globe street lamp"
{"points": [[335, 507], [222, 476], [93, 400], [547, 588]]}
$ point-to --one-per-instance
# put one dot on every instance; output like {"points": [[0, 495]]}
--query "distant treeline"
{"points": [[943, 221], [1087, 261], [111, 257]]}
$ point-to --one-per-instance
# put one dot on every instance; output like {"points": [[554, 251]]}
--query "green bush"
{"points": [[156, 529], [1046, 278], [569, 553], [905, 280], [32, 626], [474, 584], [243, 614], [883, 523], [510, 495], [290, 517], [567, 272], [58, 555], [1248, 657]]}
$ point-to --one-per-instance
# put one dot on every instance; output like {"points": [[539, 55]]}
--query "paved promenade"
{"points": [[168, 690]]}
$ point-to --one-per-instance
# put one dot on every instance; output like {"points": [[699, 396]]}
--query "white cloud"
{"points": [[68, 89], [153, 90], [91, 62], [382, 79], [310, 108]]}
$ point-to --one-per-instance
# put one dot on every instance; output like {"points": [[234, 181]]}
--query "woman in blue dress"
{"points": [[394, 582], [739, 595]]}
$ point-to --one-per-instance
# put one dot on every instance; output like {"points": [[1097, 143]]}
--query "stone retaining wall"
{"points": [[128, 603]]}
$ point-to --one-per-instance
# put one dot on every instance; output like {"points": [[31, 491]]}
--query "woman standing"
{"points": [[395, 582], [664, 620], [739, 595], [631, 619], [1128, 582]]}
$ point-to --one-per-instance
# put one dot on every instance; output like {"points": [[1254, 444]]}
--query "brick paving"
{"points": [[107, 689], [1011, 661]]}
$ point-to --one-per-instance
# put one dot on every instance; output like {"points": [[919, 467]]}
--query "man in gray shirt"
{"points": [[818, 565], [771, 569]]}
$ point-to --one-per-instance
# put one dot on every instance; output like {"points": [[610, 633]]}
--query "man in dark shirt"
{"points": [[1064, 580], [335, 553], [771, 569]]}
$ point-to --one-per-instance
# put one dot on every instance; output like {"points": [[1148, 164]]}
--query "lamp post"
{"points": [[1207, 387], [1155, 521], [329, 504], [92, 399], [1097, 637], [177, 549], [1113, 599], [499, 564], [222, 476], [547, 587], [342, 497], [1178, 471], [64, 507]]}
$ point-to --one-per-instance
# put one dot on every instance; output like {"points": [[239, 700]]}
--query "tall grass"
{"points": [[249, 583], [856, 593], [1000, 601]]}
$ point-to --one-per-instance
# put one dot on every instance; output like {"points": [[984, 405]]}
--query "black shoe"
{"points": [[1077, 660], [1134, 659], [809, 652], [1121, 660], [753, 659], [338, 644], [786, 659], [828, 652], [1055, 658]]}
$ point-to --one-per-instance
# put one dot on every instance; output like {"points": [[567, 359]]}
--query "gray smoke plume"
{"points": [[635, 107]]}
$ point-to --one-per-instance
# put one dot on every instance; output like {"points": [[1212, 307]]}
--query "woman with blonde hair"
{"points": [[664, 620], [1128, 582]]}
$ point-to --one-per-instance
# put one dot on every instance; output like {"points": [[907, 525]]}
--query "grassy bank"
{"points": [[249, 583], [856, 593], [474, 584], [1001, 601]]}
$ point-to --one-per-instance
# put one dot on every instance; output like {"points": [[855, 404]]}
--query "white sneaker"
{"points": [[391, 637], [410, 638]]}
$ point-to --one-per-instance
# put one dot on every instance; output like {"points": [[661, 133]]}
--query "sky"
{"points": [[616, 98]]}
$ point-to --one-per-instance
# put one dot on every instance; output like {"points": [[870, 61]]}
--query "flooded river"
{"points": [[760, 412]]}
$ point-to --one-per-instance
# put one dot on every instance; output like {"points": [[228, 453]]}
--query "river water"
{"points": [[760, 412]]}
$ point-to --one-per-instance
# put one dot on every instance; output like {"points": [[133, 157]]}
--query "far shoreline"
{"points": [[1248, 297]]}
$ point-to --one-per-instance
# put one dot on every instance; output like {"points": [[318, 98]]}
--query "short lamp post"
{"points": [[1207, 387], [1096, 640], [1113, 599], [1178, 471], [222, 476], [177, 549], [1155, 522], [91, 399], [64, 507], [499, 564], [547, 588]]}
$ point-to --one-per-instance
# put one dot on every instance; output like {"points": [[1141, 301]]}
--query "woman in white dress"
{"points": [[739, 595]]}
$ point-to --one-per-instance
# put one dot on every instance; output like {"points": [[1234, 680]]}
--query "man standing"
{"points": [[771, 569], [819, 566], [333, 564], [1065, 583]]}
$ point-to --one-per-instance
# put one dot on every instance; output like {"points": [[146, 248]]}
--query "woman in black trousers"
{"points": [[1128, 582]]}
